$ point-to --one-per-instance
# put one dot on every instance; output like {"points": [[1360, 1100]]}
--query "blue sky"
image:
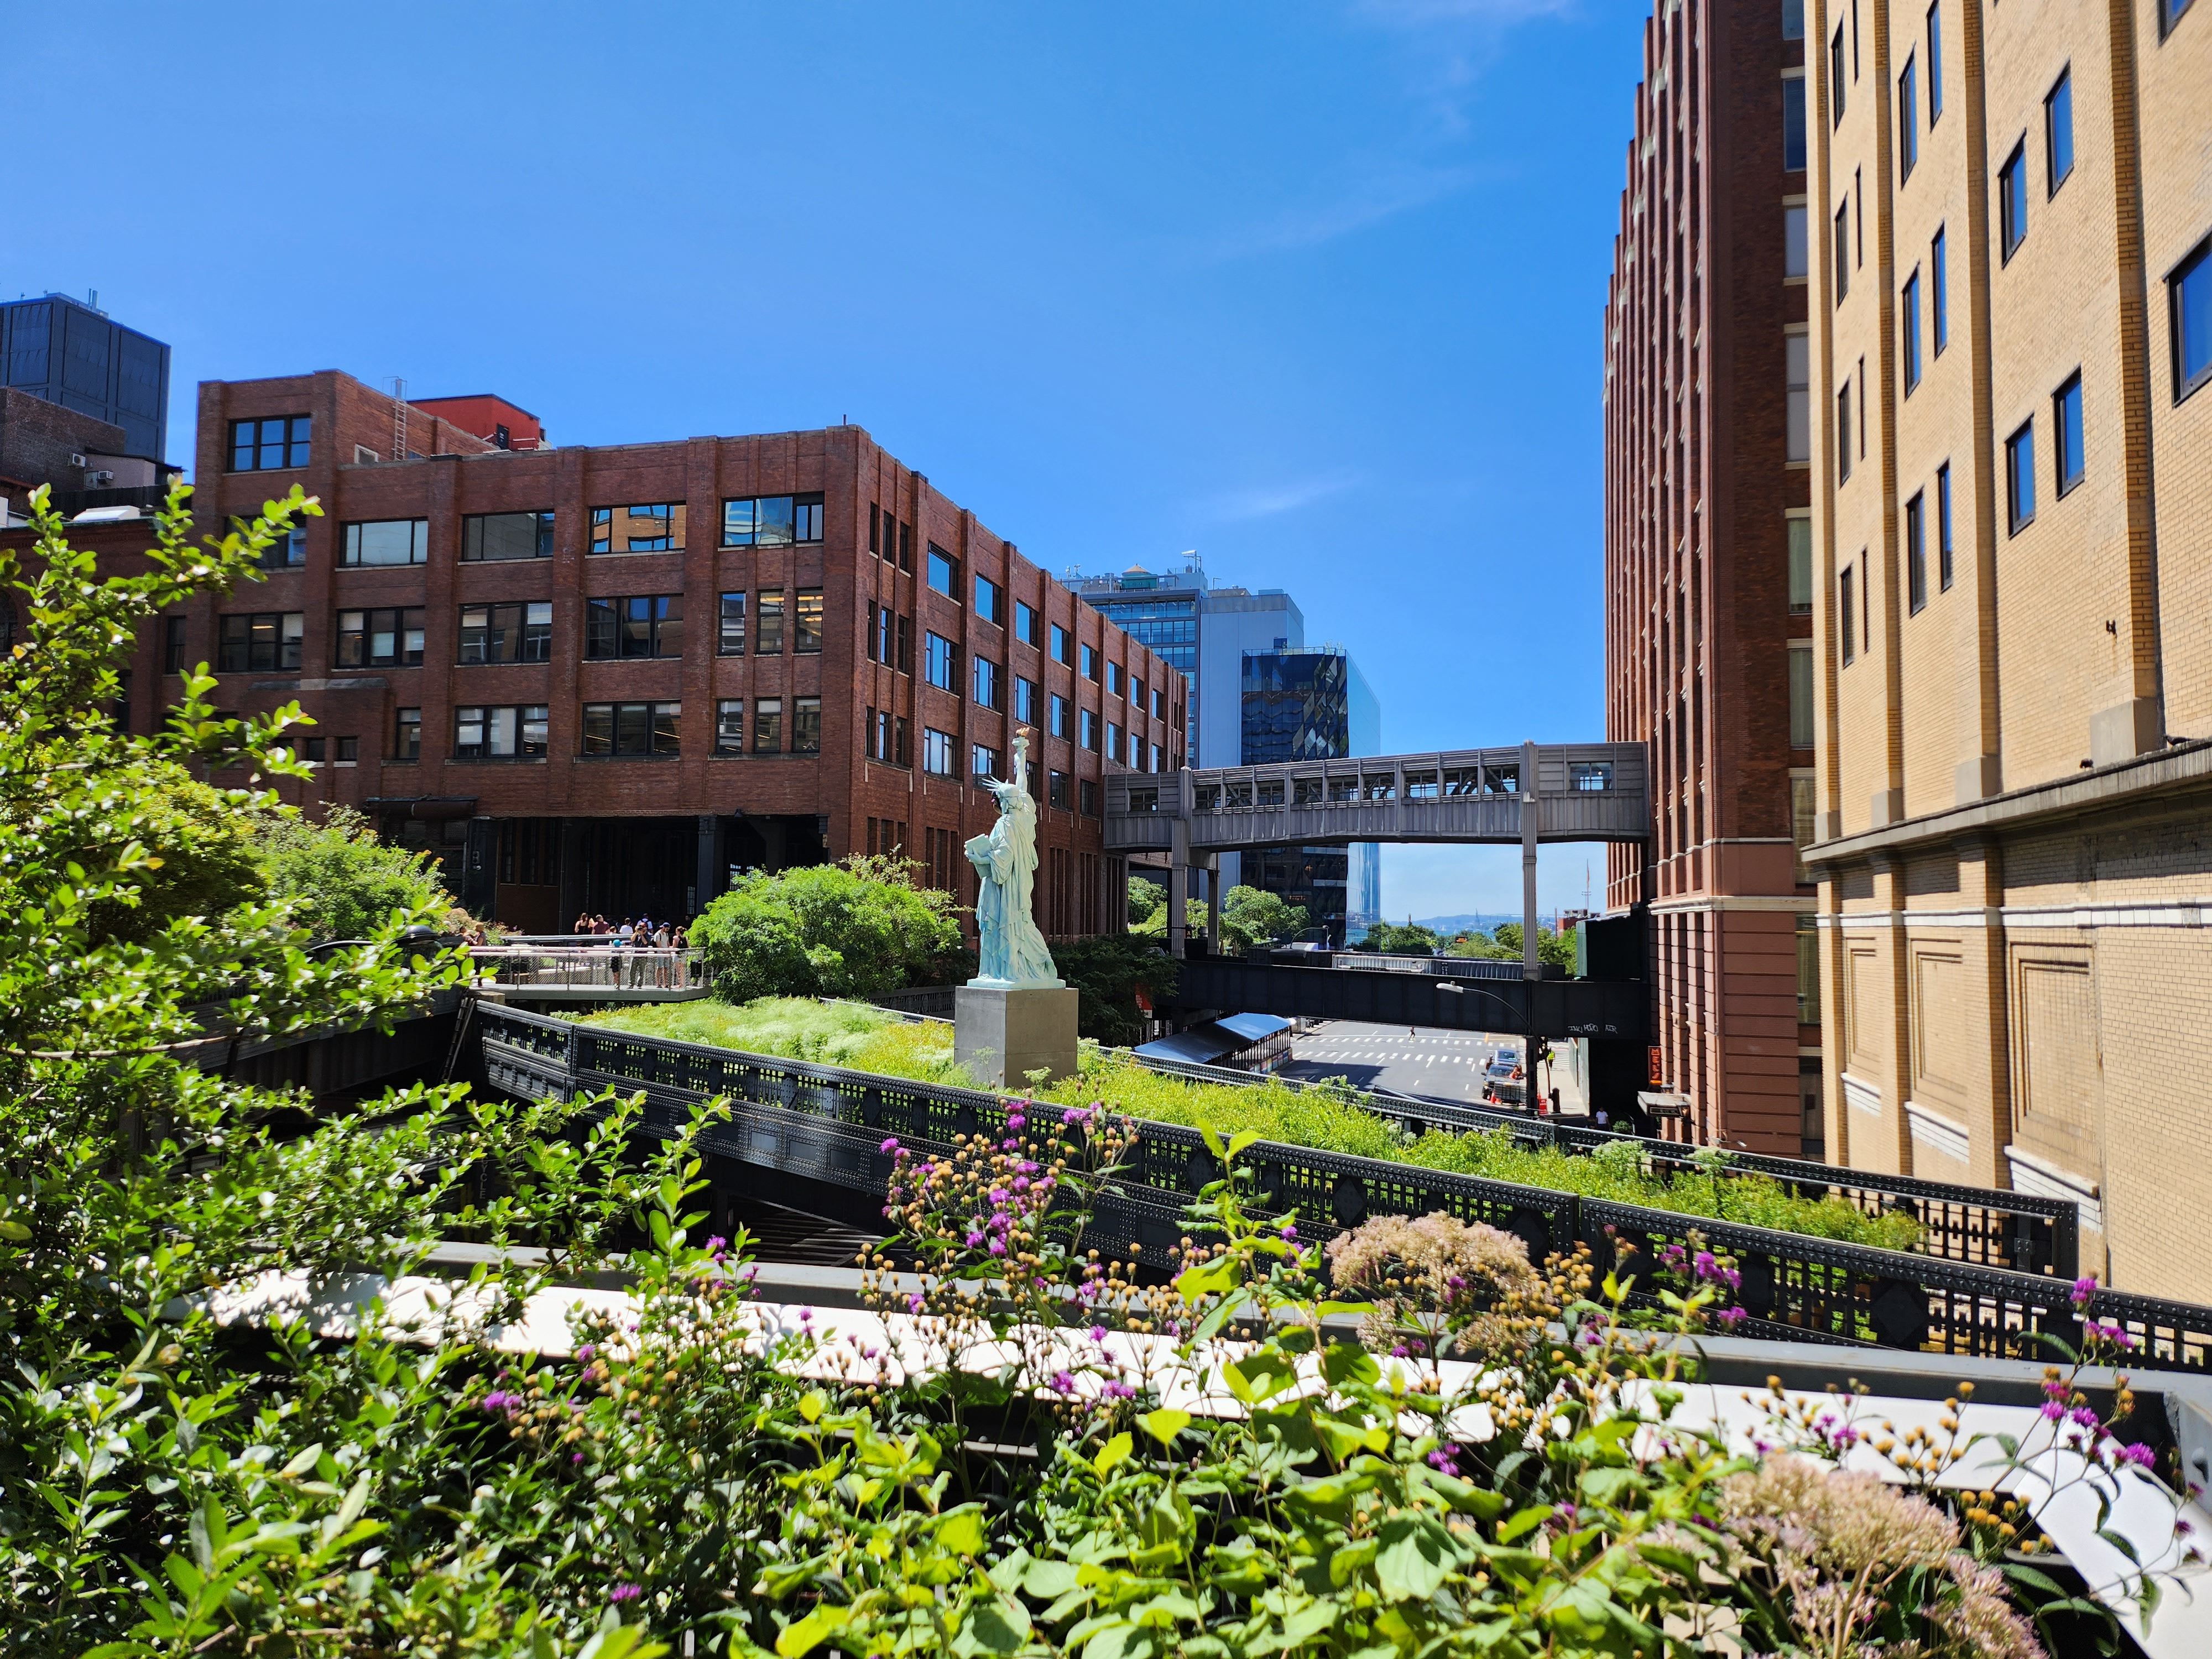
{"points": [[1313, 288]]}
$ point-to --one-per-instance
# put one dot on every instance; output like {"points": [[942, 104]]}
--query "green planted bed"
{"points": [[1328, 1119]]}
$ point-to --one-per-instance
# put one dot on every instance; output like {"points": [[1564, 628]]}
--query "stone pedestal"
{"points": [[1001, 1035]]}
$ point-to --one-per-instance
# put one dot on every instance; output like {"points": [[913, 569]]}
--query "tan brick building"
{"points": [[2011, 319], [1708, 567]]}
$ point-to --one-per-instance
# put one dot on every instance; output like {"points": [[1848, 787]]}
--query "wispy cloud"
{"points": [[1265, 501], [1372, 192]]}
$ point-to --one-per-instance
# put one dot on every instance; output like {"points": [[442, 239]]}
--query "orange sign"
{"points": [[1658, 1064]]}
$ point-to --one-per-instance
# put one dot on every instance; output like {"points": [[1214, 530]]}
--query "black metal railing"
{"points": [[830, 1124]]}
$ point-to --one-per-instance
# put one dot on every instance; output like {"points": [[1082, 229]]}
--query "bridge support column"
{"points": [[1531, 964], [1213, 904], [707, 878], [1178, 886]]}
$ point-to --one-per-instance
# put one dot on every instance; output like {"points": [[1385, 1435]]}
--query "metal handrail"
{"points": [[621, 967]]}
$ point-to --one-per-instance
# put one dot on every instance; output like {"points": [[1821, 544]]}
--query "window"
{"points": [[2170, 14], [510, 733], [768, 725], [287, 552], [1061, 725], [1113, 741], [731, 640], [1908, 118], [1843, 251], [1063, 647], [2012, 199], [1792, 124], [875, 734], [1935, 63], [987, 682], [1160, 702], [654, 527], [1844, 433], [1086, 725], [2058, 130], [172, 645], [1801, 694], [936, 751], [906, 645], [649, 625], [990, 601], [387, 541], [1137, 696], [1910, 322], [905, 547], [1025, 624], [1086, 792], [266, 641], [1792, 241], [501, 536], [1916, 557], [632, 728], [1793, 20], [1944, 527], [768, 615], [776, 521], [944, 573], [940, 662], [1859, 218], [806, 624], [507, 633], [730, 727], [1156, 758], [806, 726], [1801, 564], [1056, 790], [1846, 625], [2020, 477], [1089, 655], [2066, 431], [407, 735], [348, 751], [1115, 684], [264, 446], [983, 761], [1939, 306], [1025, 701], [1797, 396], [2188, 299], [1836, 72]]}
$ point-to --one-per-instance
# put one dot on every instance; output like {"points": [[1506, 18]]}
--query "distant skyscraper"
{"points": [[67, 352], [1301, 705]]}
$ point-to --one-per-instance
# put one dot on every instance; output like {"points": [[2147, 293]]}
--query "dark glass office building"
{"points": [[63, 350], [1301, 705]]}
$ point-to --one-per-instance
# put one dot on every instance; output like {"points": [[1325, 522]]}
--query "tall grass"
{"points": [[1328, 1119]]}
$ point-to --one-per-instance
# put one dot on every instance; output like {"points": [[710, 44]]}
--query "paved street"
{"points": [[1446, 1064]]}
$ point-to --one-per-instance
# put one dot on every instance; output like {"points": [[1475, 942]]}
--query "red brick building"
{"points": [[1709, 564], [602, 678]]}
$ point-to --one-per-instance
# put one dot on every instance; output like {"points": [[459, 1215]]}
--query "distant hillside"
{"points": [[1445, 926]]}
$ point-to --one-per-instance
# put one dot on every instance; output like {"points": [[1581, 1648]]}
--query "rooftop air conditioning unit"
{"points": [[77, 460], [99, 478]]}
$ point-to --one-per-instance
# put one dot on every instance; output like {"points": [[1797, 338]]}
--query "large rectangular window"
{"points": [[2012, 200], [632, 728], [387, 541], [1792, 124], [987, 682], [407, 734], [2066, 432], [1062, 722], [2059, 132], [806, 726], [768, 725], [1089, 657], [266, 446], [990, 601], [1797, 396], [730, 727], [1801, 694], [1793, 20], [485, 733], [1086, 725], [1025, 701], [983, 761], [2189, 305], [1935, 63], [647, 625], [1909, 324], [731, 640], [2020, 477], [1908, 118], [1836, 73], [1944, 527], [1846, 622], [1063, 646], [940, 662], [1800, 528], [508, 633], [501, 536], [1843, 251], [806, 622], [651, 527], [262, 642], [937, 751], [289, 551], [1939, 299], [944, 573], [1916, 556], [1025, 622], [769, 631], [1794, 255], [1844, 433], [774, 521], [379, 639], [172, 645]]}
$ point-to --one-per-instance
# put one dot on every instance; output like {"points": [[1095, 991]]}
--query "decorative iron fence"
{"points": [[830, 1124]]}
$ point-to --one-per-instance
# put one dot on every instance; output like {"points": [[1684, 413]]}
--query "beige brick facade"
{"points": [[2015, 779]]}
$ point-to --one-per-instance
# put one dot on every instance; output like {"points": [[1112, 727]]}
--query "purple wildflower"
{"points": [[890, 1143], [2084, 1288], [624, 1593], [2139, 1455], [1289, 1232], [1118, 1391], [2055, 1411], [998, 1246], [915, 1303], [1063, 1382], [585, 1352], [1097, 1333], [974, 1239]]}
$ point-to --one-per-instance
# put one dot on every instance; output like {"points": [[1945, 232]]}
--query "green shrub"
{"points": [[1107, 971], [849, 929], [338, 880]]}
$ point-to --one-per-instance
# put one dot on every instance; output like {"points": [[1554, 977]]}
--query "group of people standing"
{"points": [[651, 947]]}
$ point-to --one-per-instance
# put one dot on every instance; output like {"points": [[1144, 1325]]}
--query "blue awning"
{"points": [[1253, 1028], [1200, 1046]]}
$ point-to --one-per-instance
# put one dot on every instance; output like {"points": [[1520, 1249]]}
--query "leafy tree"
{"points": [[200, 855], [338, 880], [1554, 949], [1251, 916], [1478, 945], [850, 929], [1107, 970], [1146, 898], [1390, 938]]}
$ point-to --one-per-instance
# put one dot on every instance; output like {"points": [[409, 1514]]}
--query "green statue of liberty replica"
{"points": [[1012, 954], [1017, 1017]]}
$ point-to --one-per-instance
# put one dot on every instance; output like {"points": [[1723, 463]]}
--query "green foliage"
{"points": [[1554, 949], [850, 929], [338, 880], [1249, 917], [1145, 897], [200, 859], [849, 1034], [1391, 939], [1108, 970]]}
